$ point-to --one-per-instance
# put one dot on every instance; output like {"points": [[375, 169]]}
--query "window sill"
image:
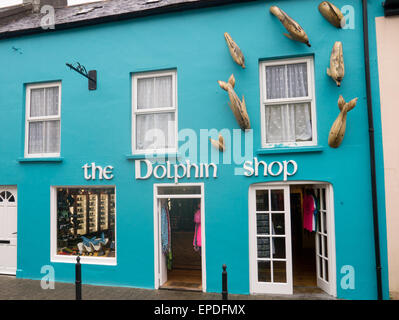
{"points": [[153, 156], [85, 260], [284, 150], [55, 159]]}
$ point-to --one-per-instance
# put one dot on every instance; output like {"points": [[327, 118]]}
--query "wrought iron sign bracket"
{"points": [[91, 75]]}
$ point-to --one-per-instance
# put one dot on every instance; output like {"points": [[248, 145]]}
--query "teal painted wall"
{"points": [[96, 127]]}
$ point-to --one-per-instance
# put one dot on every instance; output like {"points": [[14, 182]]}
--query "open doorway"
{"points": [[292, 243], [180, 237], [182, 246]]}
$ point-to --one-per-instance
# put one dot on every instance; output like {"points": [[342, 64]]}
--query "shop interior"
{"points": [[181, 243], [304, 237]]}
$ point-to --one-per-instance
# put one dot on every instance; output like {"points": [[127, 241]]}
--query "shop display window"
{"points": [[86, 221]]}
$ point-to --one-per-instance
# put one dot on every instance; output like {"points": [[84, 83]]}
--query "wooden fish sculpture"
{"points": [[337, 66], [235, 51], [332, 14], [338, 128], [295, 30], [219, 144], [238, 107]]}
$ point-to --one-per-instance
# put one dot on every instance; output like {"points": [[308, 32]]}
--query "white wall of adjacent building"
{"points": [[388, 64]]}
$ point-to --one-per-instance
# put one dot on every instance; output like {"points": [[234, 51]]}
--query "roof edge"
{"points": [[176, 7]]}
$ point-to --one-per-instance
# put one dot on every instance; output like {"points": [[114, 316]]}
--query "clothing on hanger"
{"points": [[197, 230]]}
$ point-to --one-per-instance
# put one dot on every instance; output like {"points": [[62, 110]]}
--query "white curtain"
{"points": [[44, 136], [287, 122], [155, 130]]}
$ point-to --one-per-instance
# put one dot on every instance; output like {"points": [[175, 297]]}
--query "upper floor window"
{"points": [[288, 114], [43, 118], [154, 113]]}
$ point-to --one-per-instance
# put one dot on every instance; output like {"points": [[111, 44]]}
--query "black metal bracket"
{"points": [[91, 75]]}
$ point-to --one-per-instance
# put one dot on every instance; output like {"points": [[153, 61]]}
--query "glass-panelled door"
{"points": [[323, 248], [270, 240]]}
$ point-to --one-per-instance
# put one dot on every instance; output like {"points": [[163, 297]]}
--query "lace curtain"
{"points": [[155, 130], [289, 122], [44, 136]]}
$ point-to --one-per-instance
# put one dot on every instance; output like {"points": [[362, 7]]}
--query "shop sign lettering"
{"points": [[274, 169], [145, 169], [103, 173]]}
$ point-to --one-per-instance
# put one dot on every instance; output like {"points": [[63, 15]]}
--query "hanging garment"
{"points": [[197, 231], [165, 230], [308, 212], [316, 212]]}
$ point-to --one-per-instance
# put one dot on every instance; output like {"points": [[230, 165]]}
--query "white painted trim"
{"points": [[135, 111], [310, 99], [270, 287], [14, 190], [29, 119], [332, 261], [157, 228], [53, 231]]}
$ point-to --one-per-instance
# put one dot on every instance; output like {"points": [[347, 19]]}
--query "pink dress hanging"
{"points": [[197, 233], [308, 210]]}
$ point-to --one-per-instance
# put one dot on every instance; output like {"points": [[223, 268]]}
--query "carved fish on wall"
{"points": [[218, 144], [337, 66], [295, 30], [238, 107], [332, 14], [338, 128], [235, 51]]}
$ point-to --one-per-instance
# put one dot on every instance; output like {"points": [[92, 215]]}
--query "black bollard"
{"points": [[224, 284], [78, 279]]}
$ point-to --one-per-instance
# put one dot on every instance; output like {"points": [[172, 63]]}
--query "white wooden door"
{"points": [[8, 230], [270, 240], [163, 267], [323, 244]]}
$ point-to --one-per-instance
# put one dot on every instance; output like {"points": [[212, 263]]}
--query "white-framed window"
{"points": [[288, 108], [83, 222], [154, 105], [77, 2], [43, 120]]}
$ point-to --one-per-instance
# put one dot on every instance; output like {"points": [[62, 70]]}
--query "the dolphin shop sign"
{"points": [[176, 171]]}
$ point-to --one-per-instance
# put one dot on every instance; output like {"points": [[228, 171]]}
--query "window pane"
{"points": [[44, 102], [288, 123], [279, 248], [262, 223], [179, 190], [262, 200], [52, 136], [37, 102], [297, 75], [278, 223], [145, 93], [276, 82], [86, 221], [279, 271], [35, 140], [263, 247], [154, 92], [155, 131], [163, 92], [52, 100], [264, 271], [277, 197]]}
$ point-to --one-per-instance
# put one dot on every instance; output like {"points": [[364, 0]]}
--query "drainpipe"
{"points": [[372, 149]]}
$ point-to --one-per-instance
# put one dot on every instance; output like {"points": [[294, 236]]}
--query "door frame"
{"points": [[157, 228], [14, 188], [330, 228]]}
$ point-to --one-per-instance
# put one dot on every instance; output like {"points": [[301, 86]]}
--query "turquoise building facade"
{"points": [[97, 127]]}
